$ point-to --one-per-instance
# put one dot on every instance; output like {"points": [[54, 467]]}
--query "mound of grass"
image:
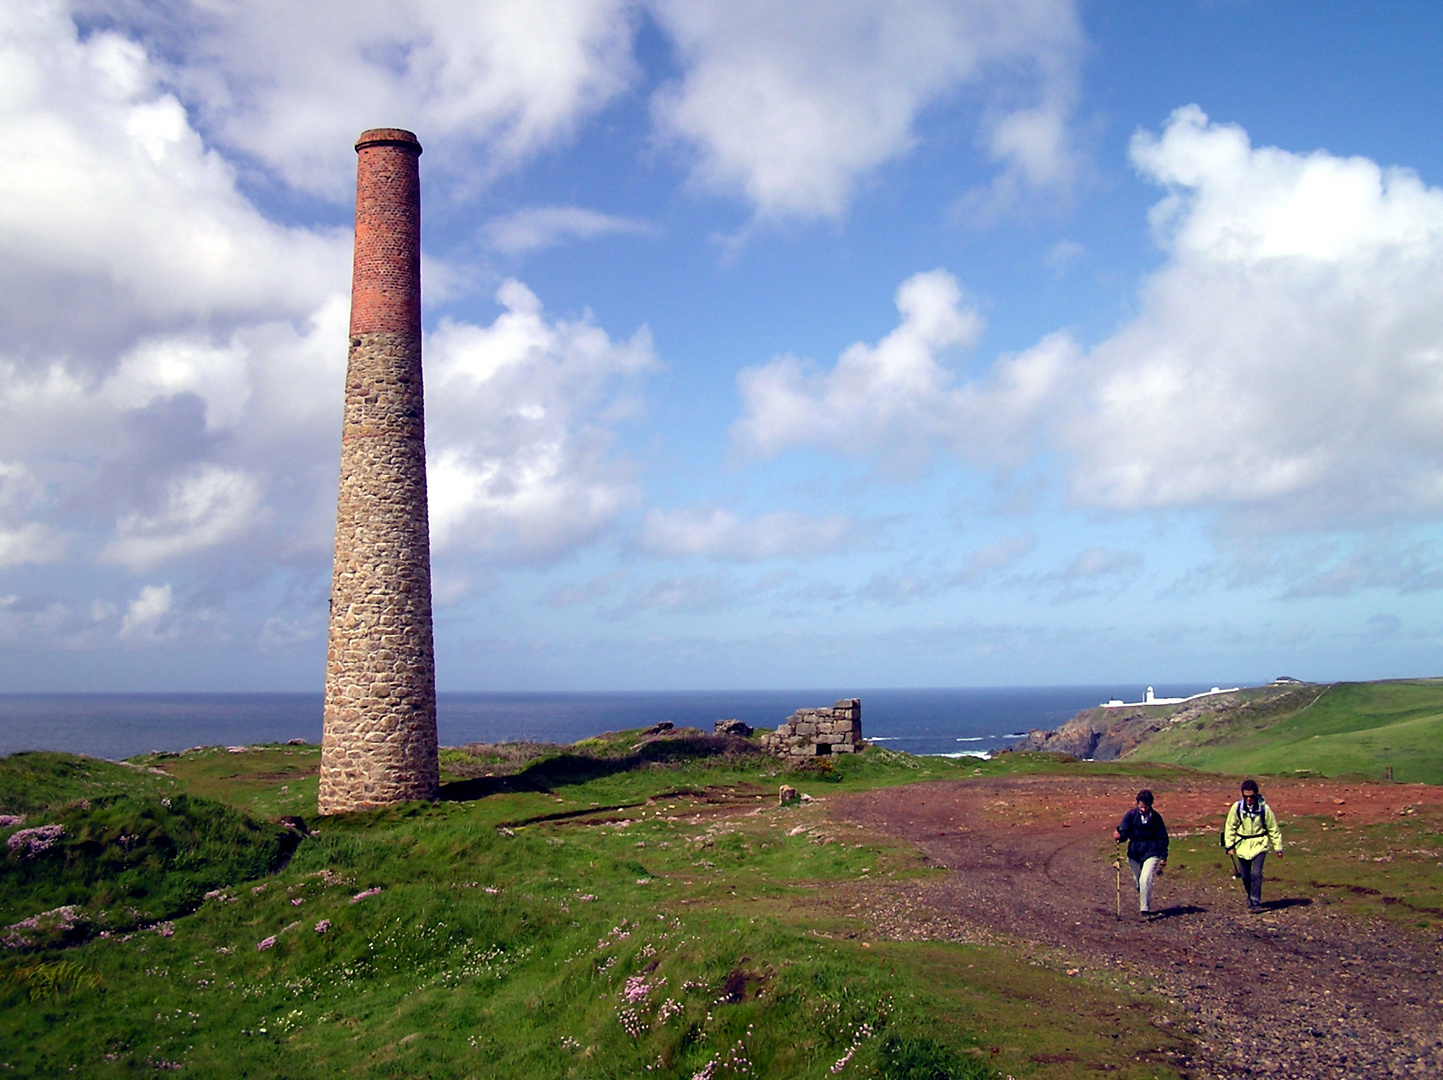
{"points": [[120, 861], [1362, 729], [36, 781]]}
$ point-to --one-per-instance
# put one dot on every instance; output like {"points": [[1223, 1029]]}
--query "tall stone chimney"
{"points": [[379, 745]]}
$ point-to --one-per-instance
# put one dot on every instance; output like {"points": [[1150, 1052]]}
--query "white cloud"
{"points": [[46, 622], [24, 541], [899, 400], [147, 615], [1285, 367], [713, 531], [990, 558], [1288, 359], [520, 438], [205, 508], [541, 227], [172, 364], [113, 211], [294, 84], [190, 364], [1411, 568], [790, 104]]}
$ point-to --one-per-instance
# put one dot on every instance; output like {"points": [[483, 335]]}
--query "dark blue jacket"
{"points": [[1144, 839]]}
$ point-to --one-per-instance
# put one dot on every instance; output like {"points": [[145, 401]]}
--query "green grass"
{"points": [[37, 781], [122, 860], [1360, 729], [1391, 870], [599, 912]]}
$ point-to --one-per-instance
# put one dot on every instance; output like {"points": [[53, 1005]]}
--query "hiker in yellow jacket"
{"points": [[1251, 828]]}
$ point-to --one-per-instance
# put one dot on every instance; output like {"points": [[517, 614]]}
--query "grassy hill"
{"points": [[1360, 729], [619, 908]]}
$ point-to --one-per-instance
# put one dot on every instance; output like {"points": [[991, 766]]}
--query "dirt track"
{"points": [[1297, 991]]}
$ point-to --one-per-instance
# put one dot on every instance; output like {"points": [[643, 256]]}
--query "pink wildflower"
{"points": [[6, 820], [41, 838], [323, 926], [266, 944], [372, 891], [165, 929], [636, 989]]}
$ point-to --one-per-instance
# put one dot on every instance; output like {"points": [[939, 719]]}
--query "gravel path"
{"points": [[1297, 991]]}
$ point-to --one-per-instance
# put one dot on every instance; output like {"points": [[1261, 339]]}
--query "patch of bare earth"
{"points": [[1298, 991]]}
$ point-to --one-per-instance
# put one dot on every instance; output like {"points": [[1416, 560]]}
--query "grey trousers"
{"points": [[1253, 877], [1143, 875]]}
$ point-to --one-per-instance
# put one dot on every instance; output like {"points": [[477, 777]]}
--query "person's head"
{"points": [[1250, 790], [1144, 800]]}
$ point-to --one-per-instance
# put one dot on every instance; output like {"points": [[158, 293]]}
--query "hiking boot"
{"points": [[1255, 909]]}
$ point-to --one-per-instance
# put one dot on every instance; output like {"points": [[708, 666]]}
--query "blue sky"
{"points": [[769, 344]]}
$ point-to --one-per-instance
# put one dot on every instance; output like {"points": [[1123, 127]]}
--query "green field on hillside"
{"points": [[1357, 729], [619, 908], [614, 909]]}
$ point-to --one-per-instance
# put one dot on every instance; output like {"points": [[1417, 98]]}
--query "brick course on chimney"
{"points": [[379, 745]]}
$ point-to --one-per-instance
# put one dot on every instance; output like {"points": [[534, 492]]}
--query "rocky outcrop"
{"points": [[1103, 734]]}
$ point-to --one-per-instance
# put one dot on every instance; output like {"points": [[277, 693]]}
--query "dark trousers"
{"points": [[1253, 877]]}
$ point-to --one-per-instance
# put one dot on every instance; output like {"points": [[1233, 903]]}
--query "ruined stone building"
{"points": [[817, 732]]}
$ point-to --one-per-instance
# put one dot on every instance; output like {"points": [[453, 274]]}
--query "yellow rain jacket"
{"points": [[1251, 834]]}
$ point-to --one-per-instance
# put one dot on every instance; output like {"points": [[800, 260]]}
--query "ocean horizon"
{"points": [[955, 721]]}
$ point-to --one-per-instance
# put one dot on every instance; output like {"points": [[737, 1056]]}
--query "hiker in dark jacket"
{"points": [[1146, 835]]}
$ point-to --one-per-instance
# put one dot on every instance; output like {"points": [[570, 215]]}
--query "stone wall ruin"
{"points": [[819, 732]]}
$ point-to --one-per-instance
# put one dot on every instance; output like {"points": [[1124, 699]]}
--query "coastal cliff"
{"points": [[1106, 734]]}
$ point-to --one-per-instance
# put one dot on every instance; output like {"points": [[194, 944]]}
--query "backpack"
{"points": [[1238, 806]]}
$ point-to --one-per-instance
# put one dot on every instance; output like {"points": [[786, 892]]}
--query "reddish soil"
{"points": [[1298, 991]]}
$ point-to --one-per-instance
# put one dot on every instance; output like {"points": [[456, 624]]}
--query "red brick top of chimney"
{"points": [[386, 283]]}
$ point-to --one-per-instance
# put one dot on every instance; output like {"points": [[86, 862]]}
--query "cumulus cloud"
{"points": [[790, 104], [171, 362], [713, 531], [542, 227], [1288, 358], [900, 399], [147, 615], [202, 509], [171, 366], [1285, 366], [23, 541], [291, 85], [114, 212], [520, 430]]}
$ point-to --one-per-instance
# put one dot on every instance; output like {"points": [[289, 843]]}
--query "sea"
{"points": [[973, 721]]}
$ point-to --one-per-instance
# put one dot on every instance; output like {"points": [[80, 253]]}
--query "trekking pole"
{"points": [[1117, 865]]}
